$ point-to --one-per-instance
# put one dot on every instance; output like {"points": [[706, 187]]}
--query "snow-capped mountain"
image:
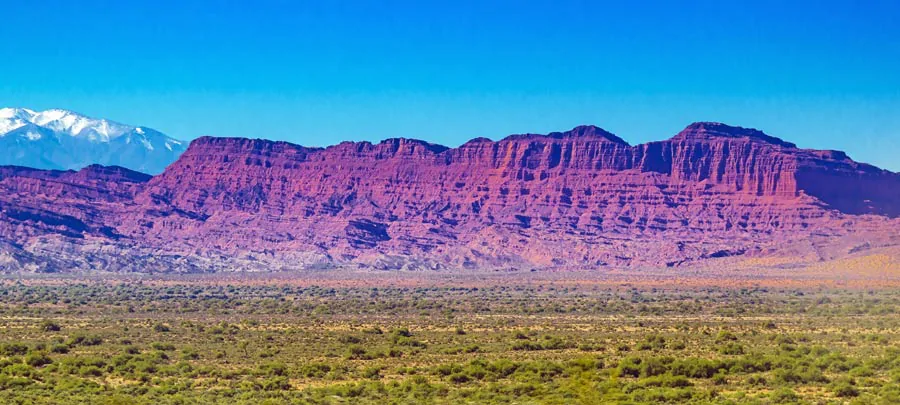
{"points": [[61, 139]]}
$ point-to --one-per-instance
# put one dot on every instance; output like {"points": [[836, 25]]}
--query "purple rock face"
{"points": [[580, 198]]}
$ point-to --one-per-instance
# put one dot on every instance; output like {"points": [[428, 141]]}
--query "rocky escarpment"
{"points": [[580, 198], [70, 203]]}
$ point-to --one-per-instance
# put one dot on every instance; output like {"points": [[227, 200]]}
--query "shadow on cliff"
{"points": [[873, 192]]}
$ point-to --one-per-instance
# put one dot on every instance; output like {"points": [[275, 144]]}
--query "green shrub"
{"points": [[401, 332], [357, 352], [372, 373], [720, 379], [276, 384], [59, 349], [189, 354], [725, 336], [629, 367], [13, 349], [731, 349], [162, 346], [784, 395], [314, 370], [695, 368], [37, 359], [845, 390], [84, 340], [654, 366], [50, 326], [653, 342], [459, 378], [757, 380], [273, 369]]}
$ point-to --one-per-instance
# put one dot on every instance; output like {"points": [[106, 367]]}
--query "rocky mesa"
{"points": [[583, 198]]}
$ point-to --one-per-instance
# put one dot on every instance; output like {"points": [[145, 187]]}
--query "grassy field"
{"points": [[186, 341]]}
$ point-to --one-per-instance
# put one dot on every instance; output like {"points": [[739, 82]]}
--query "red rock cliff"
{"points": [[581, 197]]}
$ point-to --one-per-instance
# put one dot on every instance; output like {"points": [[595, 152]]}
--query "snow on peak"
{"points": [[62, 139], [22, 113], [65, 122], [74, 124], [14, 118]]}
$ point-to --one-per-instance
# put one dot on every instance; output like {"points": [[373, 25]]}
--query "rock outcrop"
{"points": [[582, 198]]}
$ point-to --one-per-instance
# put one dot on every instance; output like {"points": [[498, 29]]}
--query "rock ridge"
{"points": [[578, 198]]}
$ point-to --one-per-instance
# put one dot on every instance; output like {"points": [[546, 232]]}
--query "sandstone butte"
{"points": [[582, 199]]}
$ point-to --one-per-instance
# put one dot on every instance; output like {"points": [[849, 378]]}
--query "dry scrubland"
{"points": [[409, 338]]}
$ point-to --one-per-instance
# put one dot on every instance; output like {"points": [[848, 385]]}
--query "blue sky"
{"points": [[822, 74]]}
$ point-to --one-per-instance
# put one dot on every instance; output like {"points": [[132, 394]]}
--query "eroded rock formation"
{"points": [[582, 198]]}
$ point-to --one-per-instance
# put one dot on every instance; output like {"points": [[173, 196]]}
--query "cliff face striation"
{"points": [[582, 198]]}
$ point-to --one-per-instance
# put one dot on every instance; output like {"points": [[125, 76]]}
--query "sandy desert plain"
{"points": [[814, 334]]}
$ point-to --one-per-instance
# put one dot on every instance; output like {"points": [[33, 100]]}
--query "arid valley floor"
{"points": [[803, 335]]}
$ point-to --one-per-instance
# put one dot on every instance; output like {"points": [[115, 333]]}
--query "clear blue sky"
{"points": [[823, 74]]}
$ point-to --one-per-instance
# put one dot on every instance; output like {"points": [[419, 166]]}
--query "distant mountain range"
{"points": [[63, 140], [580, 199]]}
